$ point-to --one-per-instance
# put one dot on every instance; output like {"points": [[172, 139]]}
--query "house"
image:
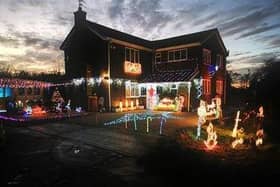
{"points": [[21, 91], [130, 72]]}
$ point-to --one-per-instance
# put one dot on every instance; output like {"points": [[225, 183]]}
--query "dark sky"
{"points": [[31, 31]]}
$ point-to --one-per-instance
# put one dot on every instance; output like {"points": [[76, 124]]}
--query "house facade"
{"points": [[129, 72]]}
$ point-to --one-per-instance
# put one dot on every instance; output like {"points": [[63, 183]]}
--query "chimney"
{"points": [[80, 17]]}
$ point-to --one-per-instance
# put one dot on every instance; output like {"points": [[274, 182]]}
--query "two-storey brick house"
{"points": [[130, 71]]}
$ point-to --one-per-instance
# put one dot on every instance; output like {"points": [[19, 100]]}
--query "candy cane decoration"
{"points": [[234, 131], [148, 119]]}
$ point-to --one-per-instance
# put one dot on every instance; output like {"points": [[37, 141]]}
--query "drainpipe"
{"points": [[189, 95], [109, 74]]}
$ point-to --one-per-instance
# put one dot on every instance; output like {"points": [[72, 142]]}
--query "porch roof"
{"points": [[175, 76]]}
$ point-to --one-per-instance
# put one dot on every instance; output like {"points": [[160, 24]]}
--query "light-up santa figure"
{"points": [[201, 112]]}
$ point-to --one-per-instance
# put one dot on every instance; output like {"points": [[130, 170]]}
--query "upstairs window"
{"points": [[219, 61], [177, 55], [206, 56], [132, 55], [158, 58]]}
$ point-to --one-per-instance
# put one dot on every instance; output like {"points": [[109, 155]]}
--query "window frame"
{"points": [[206, 56], [173, 52], [132, 90], [219, 61], [134, 55], [206, 86]]}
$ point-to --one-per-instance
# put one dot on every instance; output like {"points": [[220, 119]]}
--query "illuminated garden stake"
{"points": [[126, 104], [162, 119], [121, 106], [234, 131], [134, 121], [211, 141], [149, 118], [126, 117], [131, 105]]}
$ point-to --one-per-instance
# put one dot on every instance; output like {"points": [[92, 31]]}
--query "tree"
{"points": [[264, 85]]}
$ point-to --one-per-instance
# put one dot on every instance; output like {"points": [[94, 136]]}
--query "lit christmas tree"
{"points": [[56, 97]]}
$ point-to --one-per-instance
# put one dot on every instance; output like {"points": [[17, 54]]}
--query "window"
{"points": [[29, 91], [219, 87], [132, 55], [158, 58], [21, 91], [177, 55], [219, 61], [36, 91], [131, 89], [206, 56], [206, 83], [143, 91], [159, 90]]}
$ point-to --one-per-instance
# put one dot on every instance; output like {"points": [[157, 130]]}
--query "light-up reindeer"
{"points": [[234, 131]]}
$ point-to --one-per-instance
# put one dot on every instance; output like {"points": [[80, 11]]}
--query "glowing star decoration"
{"points": [[234, 131], [239, 138], [211, 141], [163, 118], [259, 140], [149, 118]]}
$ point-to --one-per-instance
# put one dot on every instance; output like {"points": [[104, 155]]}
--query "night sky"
{"points": [[31, 31]]}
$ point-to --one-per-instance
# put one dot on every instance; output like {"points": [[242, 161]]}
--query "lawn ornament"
{"points": [[239, 138], [201, 112], [234, 131], [211, 141], [149, 118]]}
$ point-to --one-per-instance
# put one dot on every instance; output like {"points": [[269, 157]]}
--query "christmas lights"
{"points": [[149, 118], [234, 131], [239, 138], [211, 141]]}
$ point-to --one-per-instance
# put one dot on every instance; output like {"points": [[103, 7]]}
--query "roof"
{"points": [[178, 76], [107, 33], [184, 39]]}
